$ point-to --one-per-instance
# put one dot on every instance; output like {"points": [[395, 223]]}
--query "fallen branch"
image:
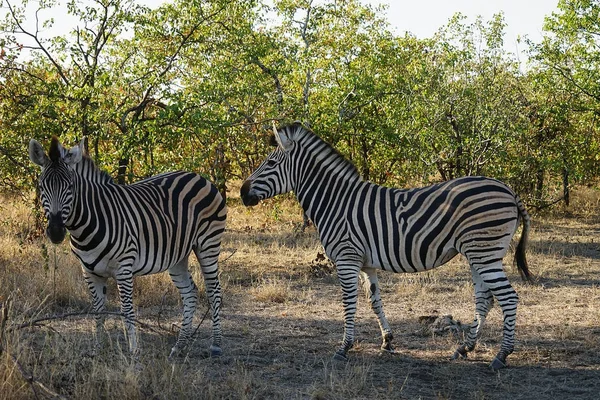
{"points": [[544, 205], [38, 321]]}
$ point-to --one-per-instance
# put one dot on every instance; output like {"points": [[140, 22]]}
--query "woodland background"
{"points": [[195, 85]]}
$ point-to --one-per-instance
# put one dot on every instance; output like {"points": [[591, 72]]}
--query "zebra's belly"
{"points": [[104, 266], [109, 265], [402, 261], [152, 268]]}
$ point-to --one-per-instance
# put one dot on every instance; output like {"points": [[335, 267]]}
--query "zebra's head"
{"points": [[56, 183], [274, 175]]}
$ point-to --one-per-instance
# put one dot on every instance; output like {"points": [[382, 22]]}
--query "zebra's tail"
{"points": [[520, 258]]}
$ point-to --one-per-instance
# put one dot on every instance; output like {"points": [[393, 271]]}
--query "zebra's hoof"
{"points": [[388, 348], [337, 356], [215, 351], [497, 364], [461, 352]]}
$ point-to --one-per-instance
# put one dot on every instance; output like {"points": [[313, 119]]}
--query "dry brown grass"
{"points": [[282, 320]]}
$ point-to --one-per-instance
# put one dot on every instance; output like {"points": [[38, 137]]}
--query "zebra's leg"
{"points": [[494, 277], [208, 259], [371, 286], [483, 303], [181, 277], [348, 271], [97, 287], [124, 279]]}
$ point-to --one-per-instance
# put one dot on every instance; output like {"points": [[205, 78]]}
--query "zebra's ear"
{"points": [[73, 156], [281, 138], [36, 153]]}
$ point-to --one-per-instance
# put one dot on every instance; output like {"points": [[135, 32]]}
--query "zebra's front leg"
{"points": [[97, 287], [484, 301], [348, 276], [181, 277], [125, 284], [371, 287], [209, 265]]}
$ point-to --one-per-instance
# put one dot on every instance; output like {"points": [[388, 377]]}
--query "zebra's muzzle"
{"points": [[56, 230], [248, 197]]}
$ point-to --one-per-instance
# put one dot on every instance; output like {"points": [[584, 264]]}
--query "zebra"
{"points": [[122, 231], [364, 227]]}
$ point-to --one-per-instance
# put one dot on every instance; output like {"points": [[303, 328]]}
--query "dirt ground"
{"points": [[282, 321]]}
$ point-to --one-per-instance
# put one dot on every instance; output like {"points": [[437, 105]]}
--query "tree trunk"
{"points": [[219, 171], [122, 170], [539, 186], [96, 144], [366, 171], [566, 185]]}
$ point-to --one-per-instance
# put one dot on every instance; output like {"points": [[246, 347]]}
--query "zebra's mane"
{"points": [[88, 169], [299, 133]]}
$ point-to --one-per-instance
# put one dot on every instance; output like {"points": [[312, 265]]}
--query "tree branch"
{"points": [[37, 40], [12, 159], [570, 78], [273, 75]]}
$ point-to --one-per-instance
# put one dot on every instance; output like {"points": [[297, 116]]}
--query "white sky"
{"points": [[424, 17], [420, 17]]}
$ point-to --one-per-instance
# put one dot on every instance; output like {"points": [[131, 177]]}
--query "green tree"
{"points": [[565, 100]]}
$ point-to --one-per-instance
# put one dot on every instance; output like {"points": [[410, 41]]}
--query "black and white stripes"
{"points": [[122, 231], [365, 227]]}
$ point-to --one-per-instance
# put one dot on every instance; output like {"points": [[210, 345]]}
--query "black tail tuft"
{"points": [[520, 258]]}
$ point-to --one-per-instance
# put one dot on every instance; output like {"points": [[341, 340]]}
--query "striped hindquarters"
{"points": [[189, 214], [152, 224]]}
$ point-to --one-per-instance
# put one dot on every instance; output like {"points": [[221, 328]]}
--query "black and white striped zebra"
{"points": [[122, 231], [364, 227]]}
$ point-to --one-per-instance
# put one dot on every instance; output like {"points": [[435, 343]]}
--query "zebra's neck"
{"points": [[323, 180]]}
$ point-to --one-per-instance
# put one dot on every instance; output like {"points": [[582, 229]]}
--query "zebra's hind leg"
{"points": [[495, 279], [508, 300], [483, 302], [371, 287], [125, 284], [347, 270], [181, 277], [208, 258], [97, 288]]}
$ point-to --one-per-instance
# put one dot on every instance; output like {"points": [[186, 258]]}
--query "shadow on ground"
{"points": [[287, 357]]}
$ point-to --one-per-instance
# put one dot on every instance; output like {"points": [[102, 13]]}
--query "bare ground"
{"points": [[282, 320]]}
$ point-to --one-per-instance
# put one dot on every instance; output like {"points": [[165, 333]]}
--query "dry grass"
{"points": [[274, 291], [282, 320]]}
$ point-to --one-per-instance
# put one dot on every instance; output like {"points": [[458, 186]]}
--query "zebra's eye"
{"points": [[271, 163]]}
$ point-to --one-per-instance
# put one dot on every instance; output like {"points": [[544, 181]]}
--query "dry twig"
{"points": [[3, 320], [33, 383], [228, 257]]}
